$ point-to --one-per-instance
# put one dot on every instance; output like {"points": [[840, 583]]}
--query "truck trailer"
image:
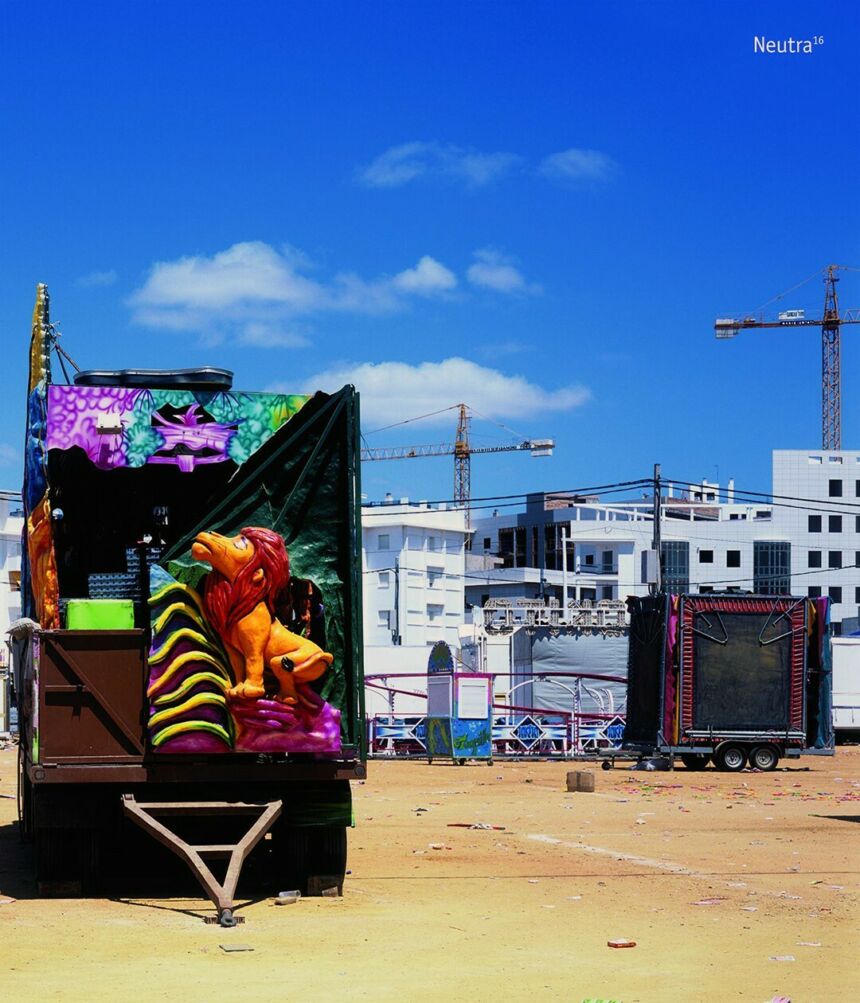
{"points": [[189, 664], [734, 679]]}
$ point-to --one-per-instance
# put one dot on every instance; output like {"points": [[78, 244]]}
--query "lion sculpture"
{"points": [[249, 572]]}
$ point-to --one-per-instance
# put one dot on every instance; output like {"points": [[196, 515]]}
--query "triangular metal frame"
{"points": [[221, 893]]}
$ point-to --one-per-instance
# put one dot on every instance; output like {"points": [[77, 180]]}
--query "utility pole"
{"points": [[655, 541], [395, 634]]}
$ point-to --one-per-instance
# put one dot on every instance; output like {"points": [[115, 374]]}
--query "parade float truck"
{"points": [[189, 664], [737, 679]]}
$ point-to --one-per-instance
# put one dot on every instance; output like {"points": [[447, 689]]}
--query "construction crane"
{"points": [[462, 451], [830, 324]]}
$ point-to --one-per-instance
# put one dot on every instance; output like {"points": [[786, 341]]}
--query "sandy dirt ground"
{"points": [[733, 886]]}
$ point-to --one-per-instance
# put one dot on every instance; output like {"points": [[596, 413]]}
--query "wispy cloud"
{"points": [[575, 165], [400, 165], [253, 292], [392, 391], [426, 161], [95, 279], [492, 270]]}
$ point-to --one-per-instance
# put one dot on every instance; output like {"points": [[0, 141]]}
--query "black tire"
{"points": [[606, 765], [764, 758], [695, 760], [730, 758], [310, 858]]}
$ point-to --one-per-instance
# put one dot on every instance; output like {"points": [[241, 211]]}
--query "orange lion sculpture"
{"points": [[249, 572]]}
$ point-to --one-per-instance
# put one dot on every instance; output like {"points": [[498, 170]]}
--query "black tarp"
{"points": [[644, 669], [741, 672]]}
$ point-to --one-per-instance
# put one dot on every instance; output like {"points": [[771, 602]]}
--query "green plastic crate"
{"points": [[100, 614]]}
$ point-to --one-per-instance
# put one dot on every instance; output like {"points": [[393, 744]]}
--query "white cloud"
{"points": [[575, 165], [254, 293], [392, 391], [94, 279], [408, 162], [493, 270], [426, 278]]}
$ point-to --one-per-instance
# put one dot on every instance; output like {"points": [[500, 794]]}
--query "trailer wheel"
{"points": [[764, 758], [695, 760], [730, 758]]}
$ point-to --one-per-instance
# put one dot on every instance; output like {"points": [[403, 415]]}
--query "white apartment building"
{"points": [[413, 564], [413, 559], [582, 548], [11, 526]]}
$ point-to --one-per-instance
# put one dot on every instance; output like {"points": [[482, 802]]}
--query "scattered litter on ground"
{"points": [[809, 943], [6, 900], [231, 948], [714, 900], [782, 957], [749, 908], [475, 825], [438, 846], [620, 943]]}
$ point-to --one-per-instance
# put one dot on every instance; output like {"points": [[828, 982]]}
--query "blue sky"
{"points": [[538, 208]]}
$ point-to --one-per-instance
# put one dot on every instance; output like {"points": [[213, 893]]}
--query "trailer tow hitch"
{"points": [[147, 814]]}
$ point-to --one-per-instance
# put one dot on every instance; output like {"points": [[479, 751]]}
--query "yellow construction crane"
{"points": [[830, 324], [462, 451]]}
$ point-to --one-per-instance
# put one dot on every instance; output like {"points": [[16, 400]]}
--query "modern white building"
{"points": [[804, 540], [413, 562], [11, 526]]}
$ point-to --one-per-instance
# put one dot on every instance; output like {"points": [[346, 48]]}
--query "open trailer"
{"points": [[190, 662], [737, 679]]}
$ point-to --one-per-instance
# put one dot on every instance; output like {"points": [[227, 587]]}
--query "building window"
{"points": [[384, 579], [605, 591], [434, 612], [834, 524], [385, 618], [815, 459], [520, 537], [772, 568], [834, 488], [857, 489], [608, 558], [431, 543], [487, 542], [433, 575], [813, 524], [506, 547], [857, 593], [675, 561], [706, 557], [857, 558], [733, 558], [835, 592], [814, 591], [706, 590], [814, 559], [589, 558], [857, 523], [382, 541], [834, 558]]}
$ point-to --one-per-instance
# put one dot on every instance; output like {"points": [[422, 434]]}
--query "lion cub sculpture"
{"points": [[249, 573]]}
